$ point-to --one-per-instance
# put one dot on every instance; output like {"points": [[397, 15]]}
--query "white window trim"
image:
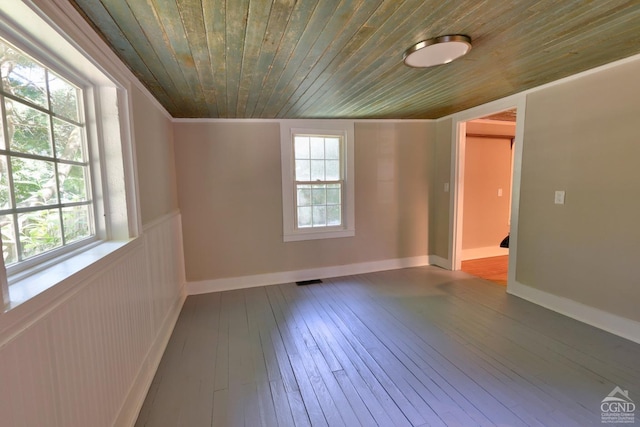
{"points": [[109, 133], [344, 128]]}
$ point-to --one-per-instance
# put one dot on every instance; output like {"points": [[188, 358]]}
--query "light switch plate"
{"points": [[446, 187], [559, 200]]}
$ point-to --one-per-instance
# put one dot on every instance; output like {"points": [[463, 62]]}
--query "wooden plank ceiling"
{"points": [[343, 59]]}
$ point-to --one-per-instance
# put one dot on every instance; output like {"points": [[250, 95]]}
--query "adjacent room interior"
{"points": [[260, 213]]}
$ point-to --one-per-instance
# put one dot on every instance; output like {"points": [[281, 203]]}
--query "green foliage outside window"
{"points": [[44, 174]]}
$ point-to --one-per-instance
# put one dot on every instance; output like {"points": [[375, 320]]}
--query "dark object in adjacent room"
{"points": [[505, 242]]}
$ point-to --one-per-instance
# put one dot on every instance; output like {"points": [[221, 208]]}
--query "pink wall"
{"points": [[487, 170]]}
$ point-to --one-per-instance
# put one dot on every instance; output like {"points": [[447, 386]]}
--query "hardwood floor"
{"points": [[412, 347], [494, 268]]}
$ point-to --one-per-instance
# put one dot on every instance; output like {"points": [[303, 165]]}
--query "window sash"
{"points": [[313, 207], [62, 210], [318, 215]]}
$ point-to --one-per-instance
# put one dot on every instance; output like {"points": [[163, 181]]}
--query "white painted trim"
{"points": [[486, 252], [623, 327], [141, 384], [456, 201], [345, 130], [231, 283], [439, 262], [516, 176]]}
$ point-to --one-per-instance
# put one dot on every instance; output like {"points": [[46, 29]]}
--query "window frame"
{"points": [[41, 259], [344, 129], [106, 85]]}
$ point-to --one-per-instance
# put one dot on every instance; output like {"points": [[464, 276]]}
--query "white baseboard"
{"points": [[128, 414], [486, 252], [625, 328], [231, 283]]}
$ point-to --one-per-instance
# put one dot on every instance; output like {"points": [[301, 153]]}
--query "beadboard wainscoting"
{"points": [[89, 357]]}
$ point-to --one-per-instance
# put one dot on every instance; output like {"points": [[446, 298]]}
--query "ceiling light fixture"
{"points": [[437, 51]]}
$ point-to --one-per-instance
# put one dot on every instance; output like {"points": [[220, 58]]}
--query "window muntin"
{"points": [[319, 180], [45, 177]]}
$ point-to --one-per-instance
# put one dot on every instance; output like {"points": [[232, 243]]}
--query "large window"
{"points": [[67, 182], [317, 179], [45, 185]]}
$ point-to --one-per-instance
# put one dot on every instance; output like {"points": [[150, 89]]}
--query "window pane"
{"points": [[73, 186], [68, 141], [5, 194], [304, 217], [77, 225], [304, 195], [64, 97], [319, 195], [33, 182], [333, 215], [24, 77], [301, 149], [319, 216], [31, 130], [303, 170], [332, 148], [317, 148], [317, 170], [333, 170], [39, 231], [333, 196], [9, 245]]}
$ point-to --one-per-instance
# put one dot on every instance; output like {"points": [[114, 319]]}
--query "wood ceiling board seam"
{"points": [[390, 62], [381, 98], [400, 14], [123, 49], [387, 60], [304, 46], [288, 45], [192, 19], [270, 52], [354, 100], [214, 15], [236, 29], [134, 29], [353, 46], [257, 20], [334, 49], [166, 12]]}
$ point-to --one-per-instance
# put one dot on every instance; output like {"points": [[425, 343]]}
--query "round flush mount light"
{"points": [[437, 51]]}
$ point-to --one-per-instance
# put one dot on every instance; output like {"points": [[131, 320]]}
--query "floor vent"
{"points": [[308, 282]]}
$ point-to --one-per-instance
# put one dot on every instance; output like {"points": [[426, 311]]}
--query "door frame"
{"points": [[456, 199]]}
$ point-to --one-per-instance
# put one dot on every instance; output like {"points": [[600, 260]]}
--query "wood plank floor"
{"points": [[413, 347], [494, 268]]}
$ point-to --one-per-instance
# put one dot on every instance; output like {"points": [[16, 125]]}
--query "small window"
{"points": [[45, 177], [317, 182]]}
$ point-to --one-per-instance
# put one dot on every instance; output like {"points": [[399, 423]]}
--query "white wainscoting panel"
{"points": [[90, 360]]}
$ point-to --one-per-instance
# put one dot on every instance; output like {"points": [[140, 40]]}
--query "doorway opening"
{"points": [[486, 175], [486, 195]]}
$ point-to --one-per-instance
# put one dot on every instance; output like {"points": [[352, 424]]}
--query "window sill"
{"points": [[29, 286], [314, 235]]}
